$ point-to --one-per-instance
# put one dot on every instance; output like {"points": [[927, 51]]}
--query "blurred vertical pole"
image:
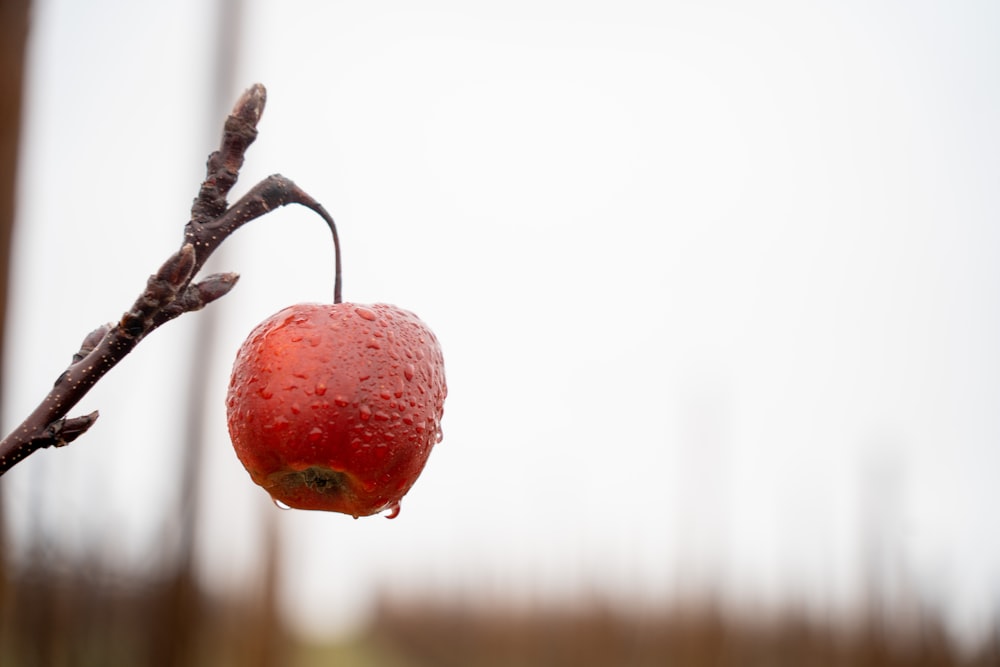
{"points": [[182, 638], [206, 327], [189, 612], [13, 41]]}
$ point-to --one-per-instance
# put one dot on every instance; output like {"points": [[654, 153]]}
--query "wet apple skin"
{"points": [[337, 406]]}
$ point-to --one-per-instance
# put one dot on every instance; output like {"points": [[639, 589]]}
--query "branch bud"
{"points": [[215, 286], [177, 270], [92, 340], [250, 106], [66, 430]]}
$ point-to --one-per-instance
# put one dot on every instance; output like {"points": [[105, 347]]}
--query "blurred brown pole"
{"points": [[189, 613], [260, 636], [203, 355], [13, 40]]}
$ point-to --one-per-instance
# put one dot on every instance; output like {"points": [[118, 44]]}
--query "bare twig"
{"points": [[170, 291]]}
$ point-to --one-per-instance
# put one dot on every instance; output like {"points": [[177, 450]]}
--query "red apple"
{"points": [[337, 406]]}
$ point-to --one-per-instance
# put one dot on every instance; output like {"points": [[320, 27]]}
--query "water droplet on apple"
{"points": [[366, 313], [365, 412], [393, 510], [315, 434], [265, 393], [320, 389], [280, 505], [340, 401], [408, 372]]}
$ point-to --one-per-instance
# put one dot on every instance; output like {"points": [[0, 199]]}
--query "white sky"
{"points": [[716, 285]]}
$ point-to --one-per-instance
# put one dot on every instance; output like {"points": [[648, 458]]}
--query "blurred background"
{"points": [[716, 284]]}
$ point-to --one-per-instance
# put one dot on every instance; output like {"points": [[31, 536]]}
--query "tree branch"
{"points": [[170, 291]]}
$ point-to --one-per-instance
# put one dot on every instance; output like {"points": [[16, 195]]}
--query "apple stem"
{"points": [[296, 196], [170, 292]]}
